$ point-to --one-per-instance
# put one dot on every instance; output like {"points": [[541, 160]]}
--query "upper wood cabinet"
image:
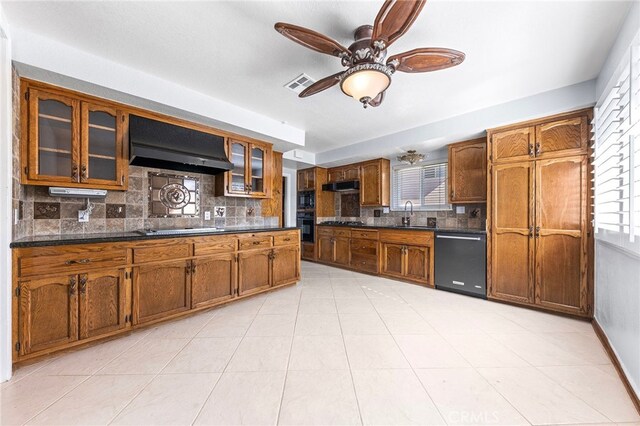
{"points": [[251, 174], [307, 179], [468, 172], [273, 205], [72, 141], [558, 136], [344, 173], [375, 183]]}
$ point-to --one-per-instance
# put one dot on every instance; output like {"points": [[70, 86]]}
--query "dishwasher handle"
{"points": [[452, 237]]}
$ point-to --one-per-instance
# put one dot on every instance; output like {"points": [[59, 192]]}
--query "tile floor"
{"points": [[338, 348]]}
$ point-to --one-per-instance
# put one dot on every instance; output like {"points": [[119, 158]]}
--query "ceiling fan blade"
{"points": [[311, 39], [394, 19], [426, 59], [321, 85], [377, 100]]}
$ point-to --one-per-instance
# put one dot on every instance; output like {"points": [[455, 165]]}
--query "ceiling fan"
{"points": [[368, 76]]}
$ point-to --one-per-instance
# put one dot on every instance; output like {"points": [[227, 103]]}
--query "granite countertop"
{"points": [[58, 240], [416, 228]]}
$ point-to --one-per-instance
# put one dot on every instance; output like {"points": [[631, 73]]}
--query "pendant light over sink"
{"points": [[368, 75]]}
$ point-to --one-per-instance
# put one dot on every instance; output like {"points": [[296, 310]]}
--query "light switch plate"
{"points": [[16, 216], [83, 216], [385, 210], [207, 215], [459, 209]]}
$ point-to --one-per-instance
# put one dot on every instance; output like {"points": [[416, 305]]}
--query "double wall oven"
{"points": [[306, 222]]}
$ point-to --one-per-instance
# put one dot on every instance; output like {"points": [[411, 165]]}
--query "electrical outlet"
{"points": [[459, 209], [16, 216], [385, 210], [83, 216], [207, 215]]}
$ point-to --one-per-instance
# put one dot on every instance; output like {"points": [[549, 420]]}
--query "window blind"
{"points": [[617, 158], [425, 186]]}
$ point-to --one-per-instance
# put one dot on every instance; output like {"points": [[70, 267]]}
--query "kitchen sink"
{"points": [[180, 231]]}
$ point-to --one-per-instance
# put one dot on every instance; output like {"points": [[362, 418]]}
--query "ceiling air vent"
{"points": [[300, 83]]}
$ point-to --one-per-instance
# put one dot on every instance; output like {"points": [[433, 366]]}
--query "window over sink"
{"points": [[424, 185]]}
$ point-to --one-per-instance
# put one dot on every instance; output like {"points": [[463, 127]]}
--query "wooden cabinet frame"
{"points": [[224, 186], [464, 186]]}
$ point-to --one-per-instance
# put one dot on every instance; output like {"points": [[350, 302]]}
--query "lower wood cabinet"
{"points": [[325, 248], [161, 290], [48, 313], [102, 302], [408, 262], [285, 265], [254, 271], [341, 254], [213, 279]]}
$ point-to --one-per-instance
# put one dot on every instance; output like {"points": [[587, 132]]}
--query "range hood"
{"points": [[162, 145], [348, 186]]}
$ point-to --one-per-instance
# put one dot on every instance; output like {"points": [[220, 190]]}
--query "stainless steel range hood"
{"points": [[162, 145]]}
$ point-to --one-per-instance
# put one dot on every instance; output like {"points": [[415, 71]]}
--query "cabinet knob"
{"points": [[538, 149], [531, 154], [537, 231]]}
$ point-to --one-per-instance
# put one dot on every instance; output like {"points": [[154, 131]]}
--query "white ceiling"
{"points": [[229, 50]]}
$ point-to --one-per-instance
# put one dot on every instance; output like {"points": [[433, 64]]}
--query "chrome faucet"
{"points": [[406, 220]]}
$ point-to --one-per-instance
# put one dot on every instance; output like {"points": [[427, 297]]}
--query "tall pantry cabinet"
{"points": [[539, 214]]}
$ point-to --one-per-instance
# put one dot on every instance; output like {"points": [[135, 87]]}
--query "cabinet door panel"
{"points": [[285, 265], [102, 302], [239, 152], [48, 313], [513, 145], [393, 259], [341, 251], [253, 271], [512, 247], [213, 280], [335, 175], [54, 122], [325, 249], [351, 173], [370, 185], [418, 263], [101, 149], [468, 172], [161, 290], [258, 171], [561, 249], [562, 137]]}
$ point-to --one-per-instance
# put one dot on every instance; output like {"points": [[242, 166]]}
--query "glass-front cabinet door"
{"points": [[102, 128], [238, 153], [256, 185], [54, 121]]}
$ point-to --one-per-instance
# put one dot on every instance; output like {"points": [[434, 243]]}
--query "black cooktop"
{"points": [[343, 222]]}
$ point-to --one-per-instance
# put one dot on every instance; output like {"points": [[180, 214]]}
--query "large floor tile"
{"points": [[373, 352], [538, 351], [244, 398], [538, 398], [173, 399], [23, 400], [318, 353], [286, 306], [360, 324], [354, 306], [464, 397], [317, 306], [204, 355], [96, 401], [482, 350], [319, 398], [318, 325], [600, 390], [145, 357], [181, 328], [342, 291], [393, 397], [429, 351], [406, 323], [272, 325], [261, 354], [227, 325], [585, 346]]}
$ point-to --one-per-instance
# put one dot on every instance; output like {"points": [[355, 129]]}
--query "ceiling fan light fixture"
{"points": [[364, 82]]}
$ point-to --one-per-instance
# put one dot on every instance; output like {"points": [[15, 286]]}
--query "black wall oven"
{"points": [[307, 223]]}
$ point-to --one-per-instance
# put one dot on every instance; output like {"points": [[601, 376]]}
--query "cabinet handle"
{"points": [[83, 172], [286, 239], [187, 269], [77, 262], [531, 232], [531, 153], [255, 243], [193, 269], [83, 284], [453, 194], [538, 149], [537, 231], [74, 172], [72, 286]]}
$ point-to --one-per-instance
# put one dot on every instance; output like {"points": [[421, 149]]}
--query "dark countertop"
{"points": [[59, 240], [415, 228]]}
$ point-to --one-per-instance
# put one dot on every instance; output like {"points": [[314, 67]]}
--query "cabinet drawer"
{"points": [[161, 252], [254, 242], [407, 236], [370, 234], [285, 238], [363, 262], [364, 247], [50, 261], [214, 245]]}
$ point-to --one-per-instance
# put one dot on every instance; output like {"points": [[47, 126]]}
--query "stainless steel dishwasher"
{"points": [[461, 262]]}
